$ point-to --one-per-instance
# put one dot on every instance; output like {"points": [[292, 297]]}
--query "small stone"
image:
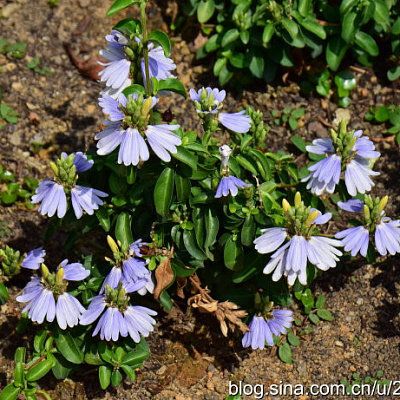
{"points": [[9, 9], [341, 114], [162, 370], [34, 118], [360, 301], [16, 86], [91, 108], [338, 343], [31, 106], [84, 3], [10, 67]]}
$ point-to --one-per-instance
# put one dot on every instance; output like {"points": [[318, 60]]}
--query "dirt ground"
{"points": [[190, 358]]}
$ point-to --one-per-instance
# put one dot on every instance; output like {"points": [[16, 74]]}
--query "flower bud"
{"points": [[367, 213], [297, 199], [382, 203], [54, 167], [60, 275], [285, 205], [311, 218], [113, 246], [45, 271], [147, 106]]}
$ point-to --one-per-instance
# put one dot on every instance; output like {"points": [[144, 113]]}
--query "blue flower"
{"points": [[80, 161], [355, 240], [325, 174], [387, 236], [117, 320], [290, 259], [116, 73], [53, 198], [230, 184], [352, 205], [131, 139], [86, 198], [237, 122], [262, 330], [47, 297], [34, 258]]}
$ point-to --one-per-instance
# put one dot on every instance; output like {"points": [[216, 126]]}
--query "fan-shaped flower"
{"points": [[34, 258], [352, 154], [129, 131], [290, 258], [47, 297], [262, 330], [209, 101], [118, 317], [230, 184], [116, 73]]}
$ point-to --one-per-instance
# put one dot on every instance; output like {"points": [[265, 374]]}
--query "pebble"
{"points": [[16, 86], [338, 343], [9, 9], [31, 106], [10, 67]]}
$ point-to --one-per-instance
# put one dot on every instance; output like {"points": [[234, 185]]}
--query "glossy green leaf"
{"points": [[118, 6], [314, 27], [20, 354], [134, 89], [245, 37], [212, 227], [130, 372], [39, 370], [230, 36], [165, 300], [257, 65], [10, 392], [104, 218], [367, 43], [314, 318], [347, 5], [325, 315], [320, 301], [248, 231], [61, 367], [335, 51], [123, 231], [105, 376], [348, 28], [3, 292], [183, 186], [268, 32], [67, 346], [305, 6], [19, 374], [285, 353], [186, 156], [162, 39], [38, 341], [116, 378], [163, 192], [299, 142], [172, 85], [293, 339], [205, 10], [233, 254], [290, 26], [191, 245]]}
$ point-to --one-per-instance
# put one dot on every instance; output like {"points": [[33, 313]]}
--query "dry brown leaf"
{"points": [[181, 284], [164, 276]]}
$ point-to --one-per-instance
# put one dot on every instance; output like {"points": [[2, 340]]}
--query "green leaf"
{"points": [[128, 26], [68, 347], [291, 27], [163, 192], [393, 73], [39, 370], [313, 27], [233, 254], [165, 300], [123, 231], [314, 318], [262, 163], [118, 6], [246, 163], [346, 5], [245, 37], [183, 187], [186, 156], [257, 65], [348, 28], [61, 367], [335, 51], [191, 245], [173, 85], [325, 315], [230, 36], [219, 64], [320, 301], [293, 339], [248, 231], [238, 60], [345, 80], [381, 13], [161, 38], [19, 355], [105, 376], [104, 218], [305, 7], [268, 32], [299, 142], [134, 89], [205, 10], [38, 341], [3, 292], [225, 76], [116, 378], [285, 353], [10, 392], [8, 198], [212, 228], [367, 43], [19, 374], [382, 114], [137, 356], [130, 372]]}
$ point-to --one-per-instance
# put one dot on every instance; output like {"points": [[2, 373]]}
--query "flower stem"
{"points": [[145, 48]]}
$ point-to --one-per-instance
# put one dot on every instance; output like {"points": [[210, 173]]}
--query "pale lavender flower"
{"points": [[387, 236], [116, 73], [133, 146], [262, 330], [43, 304], [230, 184], [80, 161], [134, 321], [34, 258], [290, 259], [355, 240], [52, 197], [86, 198], [325, 174], [352, 205], [237, 122], [135, 248]]}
